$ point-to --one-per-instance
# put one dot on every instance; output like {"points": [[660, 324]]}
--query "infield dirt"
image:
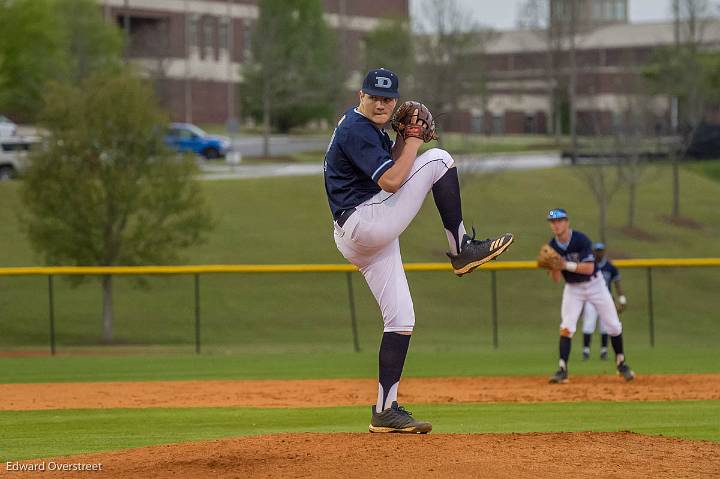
{"points": [[351, 455], [354, 392], [366, 455]]}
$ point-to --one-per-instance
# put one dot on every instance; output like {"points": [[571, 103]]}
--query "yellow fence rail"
{"points": [[320, 268], [348, 269]]}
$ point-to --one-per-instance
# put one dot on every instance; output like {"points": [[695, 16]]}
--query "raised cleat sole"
{"points": [[406, 430], [468, 268]]}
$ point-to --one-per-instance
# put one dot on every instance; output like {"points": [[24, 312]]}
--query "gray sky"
{"points": [[500, 14]]}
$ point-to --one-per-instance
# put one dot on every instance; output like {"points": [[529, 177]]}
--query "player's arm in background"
{"points": [[555, 275], [404, 153], [622, 300]]}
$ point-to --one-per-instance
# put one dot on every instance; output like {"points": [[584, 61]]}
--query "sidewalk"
{"points": [[465, 163]]}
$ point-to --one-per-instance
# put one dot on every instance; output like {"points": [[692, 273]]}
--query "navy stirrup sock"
{"points": [[446, 193], [393, 350], [565, 344]]}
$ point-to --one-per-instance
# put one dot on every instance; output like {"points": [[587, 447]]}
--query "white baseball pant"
{"points": [[593, 292], [590, 317], [369, 239]]}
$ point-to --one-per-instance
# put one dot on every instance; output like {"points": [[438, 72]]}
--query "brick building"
{"points": [[194, 49], [610, 56]]}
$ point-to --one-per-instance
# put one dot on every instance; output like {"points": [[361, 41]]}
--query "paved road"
{"points": [[470, 163], [280, 144]]}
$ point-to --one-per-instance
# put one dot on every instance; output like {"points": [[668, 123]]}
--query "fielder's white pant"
{"points": [[369, 239], [590, 317], [595, 293]]}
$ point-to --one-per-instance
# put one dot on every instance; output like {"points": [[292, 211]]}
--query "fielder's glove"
{"points": [[414, 120], [549, 258]]}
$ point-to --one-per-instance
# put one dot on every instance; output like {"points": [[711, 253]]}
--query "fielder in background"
{"points": [[612, 276], [375, 188], [569, 256]]}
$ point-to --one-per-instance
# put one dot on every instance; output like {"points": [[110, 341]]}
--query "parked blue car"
{"points": [[185, 137]]}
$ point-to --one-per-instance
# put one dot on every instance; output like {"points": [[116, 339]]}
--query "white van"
{"points": [[7, 127], [14, 156]]}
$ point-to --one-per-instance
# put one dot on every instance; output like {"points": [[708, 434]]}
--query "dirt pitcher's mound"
{"points": [[354, 392], [441, 455]]}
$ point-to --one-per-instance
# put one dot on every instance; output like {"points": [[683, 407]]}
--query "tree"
{"points": [[30, 54], [89, 43], [636, 124], [390, 45], [106, 191], [679, 72], [603, 181], [450, 50], [50, 40], [290, 78]]}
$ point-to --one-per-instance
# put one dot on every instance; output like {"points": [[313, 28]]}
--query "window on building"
{"points": [[607, 9], [208, 36], [617, 121], [619, 10], [529, 125], [193, 31], [247, 38], [498, 123], [477, 122], [223, 32], [147, 36]]}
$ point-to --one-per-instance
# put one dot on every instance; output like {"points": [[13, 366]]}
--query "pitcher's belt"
{"points": [[343, 216]]}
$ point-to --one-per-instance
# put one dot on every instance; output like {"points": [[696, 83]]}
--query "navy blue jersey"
{"points": [[356, 158], [609, 272], [579, 250]]}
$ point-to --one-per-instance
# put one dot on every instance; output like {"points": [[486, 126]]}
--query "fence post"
{"points": [[197, 313], [51, 310], [494, 309], [650, 307], [353, 319]]}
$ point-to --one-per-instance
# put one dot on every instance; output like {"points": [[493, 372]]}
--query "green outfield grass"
{"points": [[462, 143], [510, 361], [32, 434], [286, 220]]}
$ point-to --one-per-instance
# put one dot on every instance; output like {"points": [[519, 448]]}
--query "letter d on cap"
{"points": [[383, 82]]}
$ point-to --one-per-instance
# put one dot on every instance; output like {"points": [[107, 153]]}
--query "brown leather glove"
{"points": [[414, 120], [548, 258]]}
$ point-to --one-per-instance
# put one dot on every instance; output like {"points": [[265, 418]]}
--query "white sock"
{"points": [[619, 359], [454, 245], [383, 402], [563, 364]]}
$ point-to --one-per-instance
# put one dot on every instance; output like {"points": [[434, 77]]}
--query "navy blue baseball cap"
{"points": [[599, 246], [557, 214], [381, 82]]}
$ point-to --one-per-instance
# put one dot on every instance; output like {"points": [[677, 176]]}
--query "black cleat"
{"points": [[625, 371], [474, 252], [397, 419], [560, 377], [603, 354], [586, 355]]}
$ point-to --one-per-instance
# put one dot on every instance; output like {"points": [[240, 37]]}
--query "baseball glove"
{"points": [[549, 259], [414, 120]]}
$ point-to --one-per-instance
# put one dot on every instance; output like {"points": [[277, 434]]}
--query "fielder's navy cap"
{"points": [[381, 82], [599, 246], [557, 214]]}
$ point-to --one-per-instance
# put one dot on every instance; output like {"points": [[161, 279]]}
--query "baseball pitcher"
{"points": [[375, 188]]}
